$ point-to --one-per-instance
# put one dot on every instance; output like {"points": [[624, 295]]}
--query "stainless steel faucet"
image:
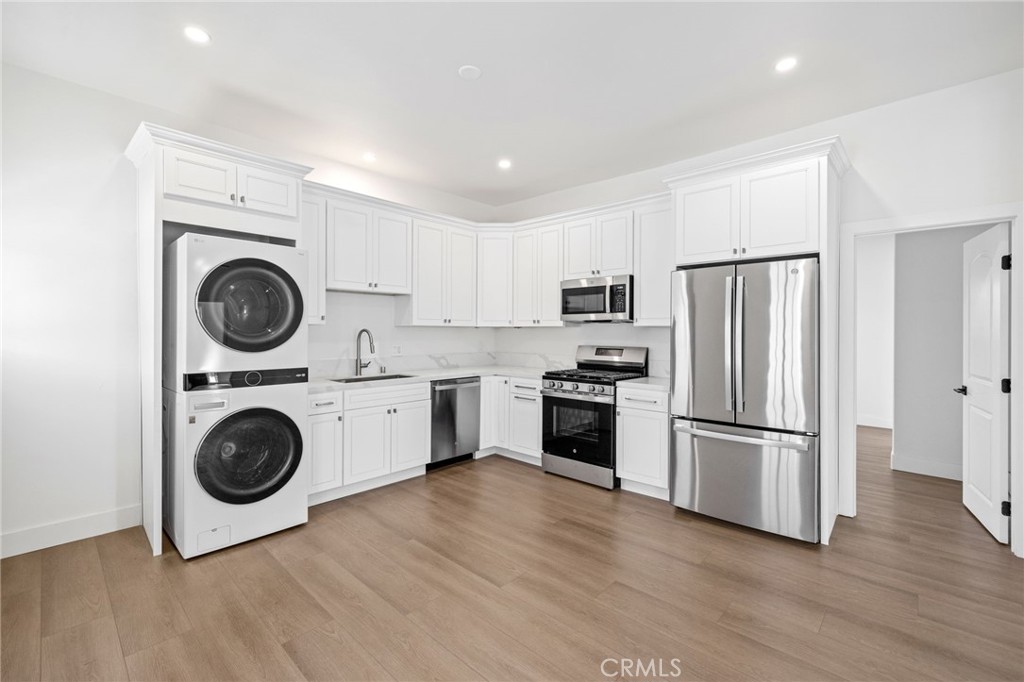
{"points": [[360, 365]]}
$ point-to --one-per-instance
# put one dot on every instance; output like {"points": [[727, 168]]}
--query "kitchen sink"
{"points": [[375, 377]]}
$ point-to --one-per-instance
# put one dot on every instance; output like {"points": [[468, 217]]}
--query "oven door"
{"points": [[577, 428]]}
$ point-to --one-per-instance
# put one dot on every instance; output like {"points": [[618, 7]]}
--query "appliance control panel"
{"points": [[571, 388], [618, 302]]}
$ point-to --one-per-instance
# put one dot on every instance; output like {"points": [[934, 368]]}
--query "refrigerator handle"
{"points": [[782, 445], [741, 296], [728, 343]]}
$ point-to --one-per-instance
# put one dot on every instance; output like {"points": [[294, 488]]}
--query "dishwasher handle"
{"points": [[453, 387]]}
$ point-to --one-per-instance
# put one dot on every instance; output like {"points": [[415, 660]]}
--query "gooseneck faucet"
{"points": [[360, 365]]}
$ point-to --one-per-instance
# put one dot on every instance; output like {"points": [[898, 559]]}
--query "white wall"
{"points": [[928, 434], [875, 344]]}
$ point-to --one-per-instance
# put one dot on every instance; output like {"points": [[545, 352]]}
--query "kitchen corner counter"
{"points": [[317, 386], [659, 384]]}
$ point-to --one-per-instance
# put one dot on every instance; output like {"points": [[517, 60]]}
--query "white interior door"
{"points": [[986, 475]]}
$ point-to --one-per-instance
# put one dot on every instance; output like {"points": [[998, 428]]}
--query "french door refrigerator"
{"points": [[745, 394]]}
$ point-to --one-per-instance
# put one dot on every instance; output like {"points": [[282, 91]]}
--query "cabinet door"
{"points": [[641, 446], [429, 273], [392, 249], [410, 435], [524, 298], [195, 176], [313, 238], [579, 249], [493, 412], [614, 244], [707, 221], [367, 451], [267, 191], [461, 272], [349, 246], [549, 276], [652, 283], [524, 424], [780, 210], [494, 279], [325, 451]]}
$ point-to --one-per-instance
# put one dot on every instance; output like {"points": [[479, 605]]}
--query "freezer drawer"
{"points": [[758, 479]]}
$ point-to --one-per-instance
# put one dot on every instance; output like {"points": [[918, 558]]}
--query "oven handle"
{"points": [[604, 399]]}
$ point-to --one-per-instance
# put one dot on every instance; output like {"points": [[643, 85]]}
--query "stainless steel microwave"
{"points": [[598, 299]]}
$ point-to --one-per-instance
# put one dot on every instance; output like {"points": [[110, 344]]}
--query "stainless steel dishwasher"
{"points": [[455, 418]]}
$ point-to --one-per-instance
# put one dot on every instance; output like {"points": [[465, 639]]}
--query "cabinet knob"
{"points": [[734, 250], [376, 284], [232, 196], [369, 284], [340, 418], [744, 249], [242, 198]]}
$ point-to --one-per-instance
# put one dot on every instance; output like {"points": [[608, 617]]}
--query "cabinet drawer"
{"points": [[653, 401], [524, 386], [324, 402], [386, 395]]}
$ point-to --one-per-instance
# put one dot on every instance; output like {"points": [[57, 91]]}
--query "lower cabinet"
{"points": [[324, 449], [642, 440], [493, 412], [382, 440], [525, 431]]}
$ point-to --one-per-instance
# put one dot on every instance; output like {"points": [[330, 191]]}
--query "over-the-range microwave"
{"points": [[598, 299]]}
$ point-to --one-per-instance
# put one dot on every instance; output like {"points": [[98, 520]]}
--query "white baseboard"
{"points": [[518, 456], [363, 486], [927, 467], [877, 421], [57, 533], [644, 489]]}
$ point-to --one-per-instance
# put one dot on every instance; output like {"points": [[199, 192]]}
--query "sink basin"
{"points": [[374, 377]]}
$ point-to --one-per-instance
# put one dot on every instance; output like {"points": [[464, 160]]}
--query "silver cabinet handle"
{"points": [[741, 296], [783, 445], [523, 397], [326, 402], [729, 405], [640, 400], [528, 388]]}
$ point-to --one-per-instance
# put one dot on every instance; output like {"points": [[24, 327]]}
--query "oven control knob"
{"points": [[558, 384], [600, 389], [575, 387], [592, 388]]}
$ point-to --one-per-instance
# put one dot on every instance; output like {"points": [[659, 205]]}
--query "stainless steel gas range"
{"points": [[579, 412]]}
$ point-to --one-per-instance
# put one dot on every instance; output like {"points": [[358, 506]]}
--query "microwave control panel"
{"points": [[619, 304]]}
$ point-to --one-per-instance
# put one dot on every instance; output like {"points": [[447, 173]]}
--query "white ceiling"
{"points": [[572, 93]]}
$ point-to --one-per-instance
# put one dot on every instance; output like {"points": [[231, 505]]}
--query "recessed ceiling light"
{"points": [[785, 64], [370, 157], [469, 72], [197, 35], [504, 164]]}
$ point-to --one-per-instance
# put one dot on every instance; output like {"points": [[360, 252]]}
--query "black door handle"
{"points": [[962, 390]]}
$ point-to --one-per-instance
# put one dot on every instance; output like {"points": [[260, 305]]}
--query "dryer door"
{"points": [[249, 305], [248, 455]]}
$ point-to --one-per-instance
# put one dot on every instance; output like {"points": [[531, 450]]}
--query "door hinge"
{"points": [[1005, 508], [1005, 262], [1005, 385]]}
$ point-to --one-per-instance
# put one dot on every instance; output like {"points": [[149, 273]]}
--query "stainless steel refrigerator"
{"points": [[745, 394]]}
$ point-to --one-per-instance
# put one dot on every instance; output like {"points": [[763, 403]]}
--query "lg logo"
{"points": [[638, 668]]}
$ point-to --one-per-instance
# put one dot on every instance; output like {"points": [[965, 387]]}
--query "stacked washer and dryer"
{"points": [[235, 370]]}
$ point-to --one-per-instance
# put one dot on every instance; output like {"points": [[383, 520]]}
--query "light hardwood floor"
{"points": [[493, 570]]}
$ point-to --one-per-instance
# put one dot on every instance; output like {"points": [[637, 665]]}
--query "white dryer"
{"points": [[232, 305], [234, 465]]}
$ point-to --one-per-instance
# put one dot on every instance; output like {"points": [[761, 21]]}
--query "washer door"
{"points": [[249, 305], [249, 455]]}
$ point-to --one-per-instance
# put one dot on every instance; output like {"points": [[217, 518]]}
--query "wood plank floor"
{"points": [[493, 570]]}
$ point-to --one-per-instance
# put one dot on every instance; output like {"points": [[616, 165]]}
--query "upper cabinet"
{"points": [[653, 251], [494, 279], [313, 238], [759, 211], [537, 277], [200, 177], [368, 249], [444, 277], [598, 246]]}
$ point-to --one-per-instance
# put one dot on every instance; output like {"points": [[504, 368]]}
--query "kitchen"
{"points": [[409, 329]]}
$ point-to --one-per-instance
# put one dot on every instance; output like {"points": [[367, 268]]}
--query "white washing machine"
{"points": [[234, 464], [232, 305]]}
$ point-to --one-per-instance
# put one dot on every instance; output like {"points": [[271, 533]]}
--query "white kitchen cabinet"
{"points": [[761, 213], [410, 435], [599, 246], [537, 277], [494, 396], [367, 452], [313, 238], [324, 448], [201, 177], [779, 210], [524, 423], [444, 277], [641, 446], [369, 250], [653, 251], [494, 279]]}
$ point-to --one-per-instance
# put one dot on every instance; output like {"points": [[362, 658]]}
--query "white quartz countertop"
{"points": [[317, 386], [659, 384]]}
